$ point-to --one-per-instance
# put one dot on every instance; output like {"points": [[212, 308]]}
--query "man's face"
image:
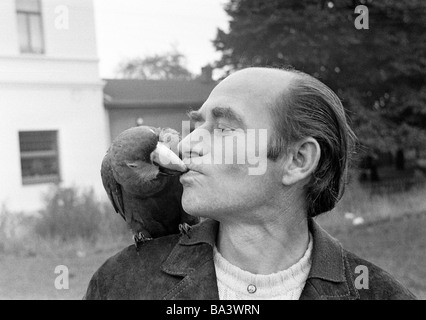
{"points": [[238, 105]]}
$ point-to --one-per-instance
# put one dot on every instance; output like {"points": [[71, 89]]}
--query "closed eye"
{"points": [[227, 130]]}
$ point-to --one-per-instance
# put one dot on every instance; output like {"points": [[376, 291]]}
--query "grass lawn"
{"points": [[397, 246], [32, 276]]}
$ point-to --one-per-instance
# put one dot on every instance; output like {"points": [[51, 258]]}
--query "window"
{"points": [[39, 156], [30, 27]]}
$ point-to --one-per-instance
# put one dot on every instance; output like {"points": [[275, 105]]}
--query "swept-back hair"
{"points": [[308, 108]]}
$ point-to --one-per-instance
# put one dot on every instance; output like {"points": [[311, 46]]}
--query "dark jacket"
{"points": [[175, 267]]}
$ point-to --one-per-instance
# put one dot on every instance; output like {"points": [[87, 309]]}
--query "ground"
{"points": [[33, 277], [398, 246]]}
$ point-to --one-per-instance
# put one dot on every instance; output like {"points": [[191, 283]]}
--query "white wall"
{"points": [[59, 90], [8, 27]]}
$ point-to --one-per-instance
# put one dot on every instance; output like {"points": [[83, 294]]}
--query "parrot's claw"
{"points": [[184, 229], [140, 239]]}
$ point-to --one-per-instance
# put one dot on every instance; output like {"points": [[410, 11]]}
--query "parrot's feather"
{"points": [[112, 188], [117, 202]]}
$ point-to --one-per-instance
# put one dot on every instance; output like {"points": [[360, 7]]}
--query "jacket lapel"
{"points": [[329, 277], [192, 260]]}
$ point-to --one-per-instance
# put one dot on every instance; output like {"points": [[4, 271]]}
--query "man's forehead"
{"points": [[257, 81], [250, 88], [245, 95]]}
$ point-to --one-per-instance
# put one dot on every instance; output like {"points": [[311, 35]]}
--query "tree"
{"points": [[379, 72], [170, 65]]}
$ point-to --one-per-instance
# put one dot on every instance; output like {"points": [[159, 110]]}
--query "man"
{"points": [[259, 240]]}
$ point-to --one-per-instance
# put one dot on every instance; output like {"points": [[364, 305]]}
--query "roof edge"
{"points": [[150, 104]]}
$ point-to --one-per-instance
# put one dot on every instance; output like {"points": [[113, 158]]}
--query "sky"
{"points": [[136, 28]]}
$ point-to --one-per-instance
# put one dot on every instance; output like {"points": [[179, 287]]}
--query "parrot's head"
{"points": [[144, 159]]}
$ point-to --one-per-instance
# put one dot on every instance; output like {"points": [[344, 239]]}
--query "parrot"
{"points": [[140, 173]]}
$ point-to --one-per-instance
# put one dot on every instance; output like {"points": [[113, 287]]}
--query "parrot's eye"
{"points": [[155, 163]]}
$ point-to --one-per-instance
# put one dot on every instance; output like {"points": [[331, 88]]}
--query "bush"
{"points": [[71, 214], [14, 228]]}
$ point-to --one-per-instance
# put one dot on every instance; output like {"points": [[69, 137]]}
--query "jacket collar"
{"points": [[328, 277], [327, 255], [204, 232], [192, 259]]}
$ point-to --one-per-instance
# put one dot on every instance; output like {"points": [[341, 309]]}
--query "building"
{"points": [[53, 126], [158, 103]]}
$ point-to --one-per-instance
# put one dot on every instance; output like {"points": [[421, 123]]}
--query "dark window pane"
{"points": [[39, 156], [37, 141], [39, 167], [28, 5]]}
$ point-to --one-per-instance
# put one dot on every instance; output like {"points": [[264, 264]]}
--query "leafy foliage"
{"points": [[170, 65], [378, 72], [70, 213]]}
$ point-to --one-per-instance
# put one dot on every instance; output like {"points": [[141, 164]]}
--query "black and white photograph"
{"points": [[236, 150]]}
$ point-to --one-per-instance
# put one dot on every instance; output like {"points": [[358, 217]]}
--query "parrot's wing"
{"points": [[112, 187]]}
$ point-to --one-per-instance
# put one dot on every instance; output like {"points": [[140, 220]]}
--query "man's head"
{"points": [[307, 145]]}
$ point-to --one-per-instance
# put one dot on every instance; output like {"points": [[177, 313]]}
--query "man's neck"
{"points": [[264, 248]]}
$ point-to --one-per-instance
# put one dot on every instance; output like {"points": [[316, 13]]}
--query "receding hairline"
{"points": [[295, 75], [262, 71], [279, 76]]}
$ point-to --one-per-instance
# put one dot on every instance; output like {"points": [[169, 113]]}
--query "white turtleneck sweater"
{"points": [[237, 284]]}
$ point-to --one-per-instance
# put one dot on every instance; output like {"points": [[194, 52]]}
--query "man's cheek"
{"points": [[242, 152], [257, 151], [228, 149], [235, 171]]}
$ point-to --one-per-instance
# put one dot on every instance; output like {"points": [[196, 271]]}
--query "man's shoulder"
{"points": [[132, 273], [374, 283], [152, 252]]}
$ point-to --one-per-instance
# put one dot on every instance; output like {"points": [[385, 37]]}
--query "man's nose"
{"points": [[192, 146]]}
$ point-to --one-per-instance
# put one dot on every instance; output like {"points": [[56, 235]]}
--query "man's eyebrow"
{"points": [[195, 116], [228, 114]]}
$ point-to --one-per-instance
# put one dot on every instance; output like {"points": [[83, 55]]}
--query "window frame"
{"points": [[53, 153], [29, 32]]}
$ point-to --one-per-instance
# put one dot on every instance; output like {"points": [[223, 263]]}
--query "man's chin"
{"points": [[192, 205], [189, 207]]}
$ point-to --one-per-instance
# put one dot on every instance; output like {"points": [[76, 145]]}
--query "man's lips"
{"points": [[188, 177], [194, 168]]}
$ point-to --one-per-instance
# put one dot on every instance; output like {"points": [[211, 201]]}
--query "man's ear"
{"points": [[302, 161]]}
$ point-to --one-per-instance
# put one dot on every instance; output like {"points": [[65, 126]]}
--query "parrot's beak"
{"points": [[167, 159]]}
